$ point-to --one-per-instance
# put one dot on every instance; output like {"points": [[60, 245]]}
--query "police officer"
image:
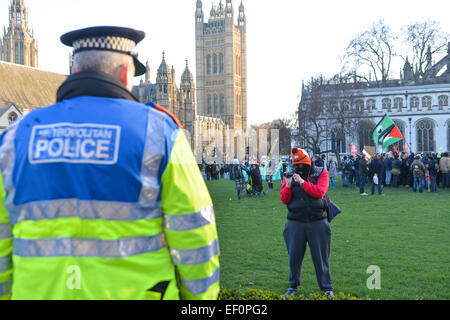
{"points": [[103, 197]]}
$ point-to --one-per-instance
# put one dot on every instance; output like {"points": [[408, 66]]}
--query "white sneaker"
{"points": [[363, 194]]}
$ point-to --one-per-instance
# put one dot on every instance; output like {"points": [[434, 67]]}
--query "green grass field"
{"points": [[405, 234]]}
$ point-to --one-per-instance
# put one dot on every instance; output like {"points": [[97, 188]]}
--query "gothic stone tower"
{"points": [[18, 44], [221, 53]]}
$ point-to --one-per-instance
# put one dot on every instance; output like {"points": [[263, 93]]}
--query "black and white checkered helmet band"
{"points": [[105, 43]]}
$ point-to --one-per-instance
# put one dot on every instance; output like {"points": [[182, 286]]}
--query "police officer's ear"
{"points": [[125, 74]]}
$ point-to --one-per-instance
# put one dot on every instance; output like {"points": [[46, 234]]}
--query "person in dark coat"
{"points": [[256, 179], [307, 221], [376, 170], [363, 171], [239, 179]]}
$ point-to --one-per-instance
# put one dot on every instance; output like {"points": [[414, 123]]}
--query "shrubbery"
{"points": [[253, 294]]}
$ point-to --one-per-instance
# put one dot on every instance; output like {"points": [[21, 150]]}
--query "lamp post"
{"points": [[410, 137]]}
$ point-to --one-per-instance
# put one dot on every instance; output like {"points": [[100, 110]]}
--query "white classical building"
{"points": [[422, 113], [419, 107]]}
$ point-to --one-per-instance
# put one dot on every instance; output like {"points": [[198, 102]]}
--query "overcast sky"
{"points": [[287, 40]]}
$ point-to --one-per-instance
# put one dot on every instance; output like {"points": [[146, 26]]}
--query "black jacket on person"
{"points": [[376, 167], [303, 207], [363, 168]]}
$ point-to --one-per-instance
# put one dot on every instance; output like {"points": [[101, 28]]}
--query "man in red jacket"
{"points": [[307, 221]]}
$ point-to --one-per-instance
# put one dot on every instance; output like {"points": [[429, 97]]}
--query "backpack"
{"points": [[432, 168]]}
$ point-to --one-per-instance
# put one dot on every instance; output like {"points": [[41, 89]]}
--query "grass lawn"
{"points": [[405, 234]]}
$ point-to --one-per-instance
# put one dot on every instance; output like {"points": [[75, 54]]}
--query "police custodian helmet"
{"points": [[117, 39]]}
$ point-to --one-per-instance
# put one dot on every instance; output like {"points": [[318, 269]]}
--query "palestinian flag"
{"points": [[393, 137], [382, 129]]}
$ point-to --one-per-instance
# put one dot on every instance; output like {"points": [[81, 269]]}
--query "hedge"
{"points": [[254, 294]]}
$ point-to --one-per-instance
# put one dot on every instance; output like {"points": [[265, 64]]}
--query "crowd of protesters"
{"points": [[429, 172], [417, 171]]}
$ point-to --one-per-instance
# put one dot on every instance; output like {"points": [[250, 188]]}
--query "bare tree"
{"points": [[374, 50], [312, 128], [330, 106], [424, 38]]}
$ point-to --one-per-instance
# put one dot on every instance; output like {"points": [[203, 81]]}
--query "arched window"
{"points": [[12, 117], [222, 105], [415, 103], [371, 105], [221, 62], [387, 104], [426, 102], [398, 104], [365, 130], [208, 64], [209, 105], [443, 102], [215, 64], [338, 141], [425, 136], [216, 104], [165, 88], [402, 127]]}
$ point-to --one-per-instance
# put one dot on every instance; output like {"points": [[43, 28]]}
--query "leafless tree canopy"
{"points": [[373, 49], [423, 38], [371, 54], [329, 106]]}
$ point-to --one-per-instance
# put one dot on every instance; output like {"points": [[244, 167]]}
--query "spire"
{"points": [[241, 19], [199, 11], [429, 59], [147, 73], [229, 9]]}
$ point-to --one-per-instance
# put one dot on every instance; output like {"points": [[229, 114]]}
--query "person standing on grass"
{"points": [[363, 170], [418, 170], [444, 167], [388, 169], [307, 221], [239, 180], [332, 165], [376, 170], [100, 195], [346, 166], [433, 169], [396, 171]]}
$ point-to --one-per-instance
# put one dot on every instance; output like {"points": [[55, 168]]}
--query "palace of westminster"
{"points": [[215, 101]]}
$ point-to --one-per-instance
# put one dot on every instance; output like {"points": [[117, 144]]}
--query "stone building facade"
{"points": [[419, 107], [18, 44], [221, 53]]}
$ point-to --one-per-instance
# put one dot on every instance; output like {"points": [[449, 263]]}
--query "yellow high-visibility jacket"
{"points": [[102, 199]]}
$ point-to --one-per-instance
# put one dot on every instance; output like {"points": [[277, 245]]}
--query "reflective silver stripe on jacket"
{"points": [[200, 286], [83, 209], [195, 256], [5, 287], [7, 159], [5, 263], [5, 231], [81, 247], [151, 160], [190, 221]]}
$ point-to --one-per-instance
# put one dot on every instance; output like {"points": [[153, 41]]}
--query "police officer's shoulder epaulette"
{"points": [[170, 114]]}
